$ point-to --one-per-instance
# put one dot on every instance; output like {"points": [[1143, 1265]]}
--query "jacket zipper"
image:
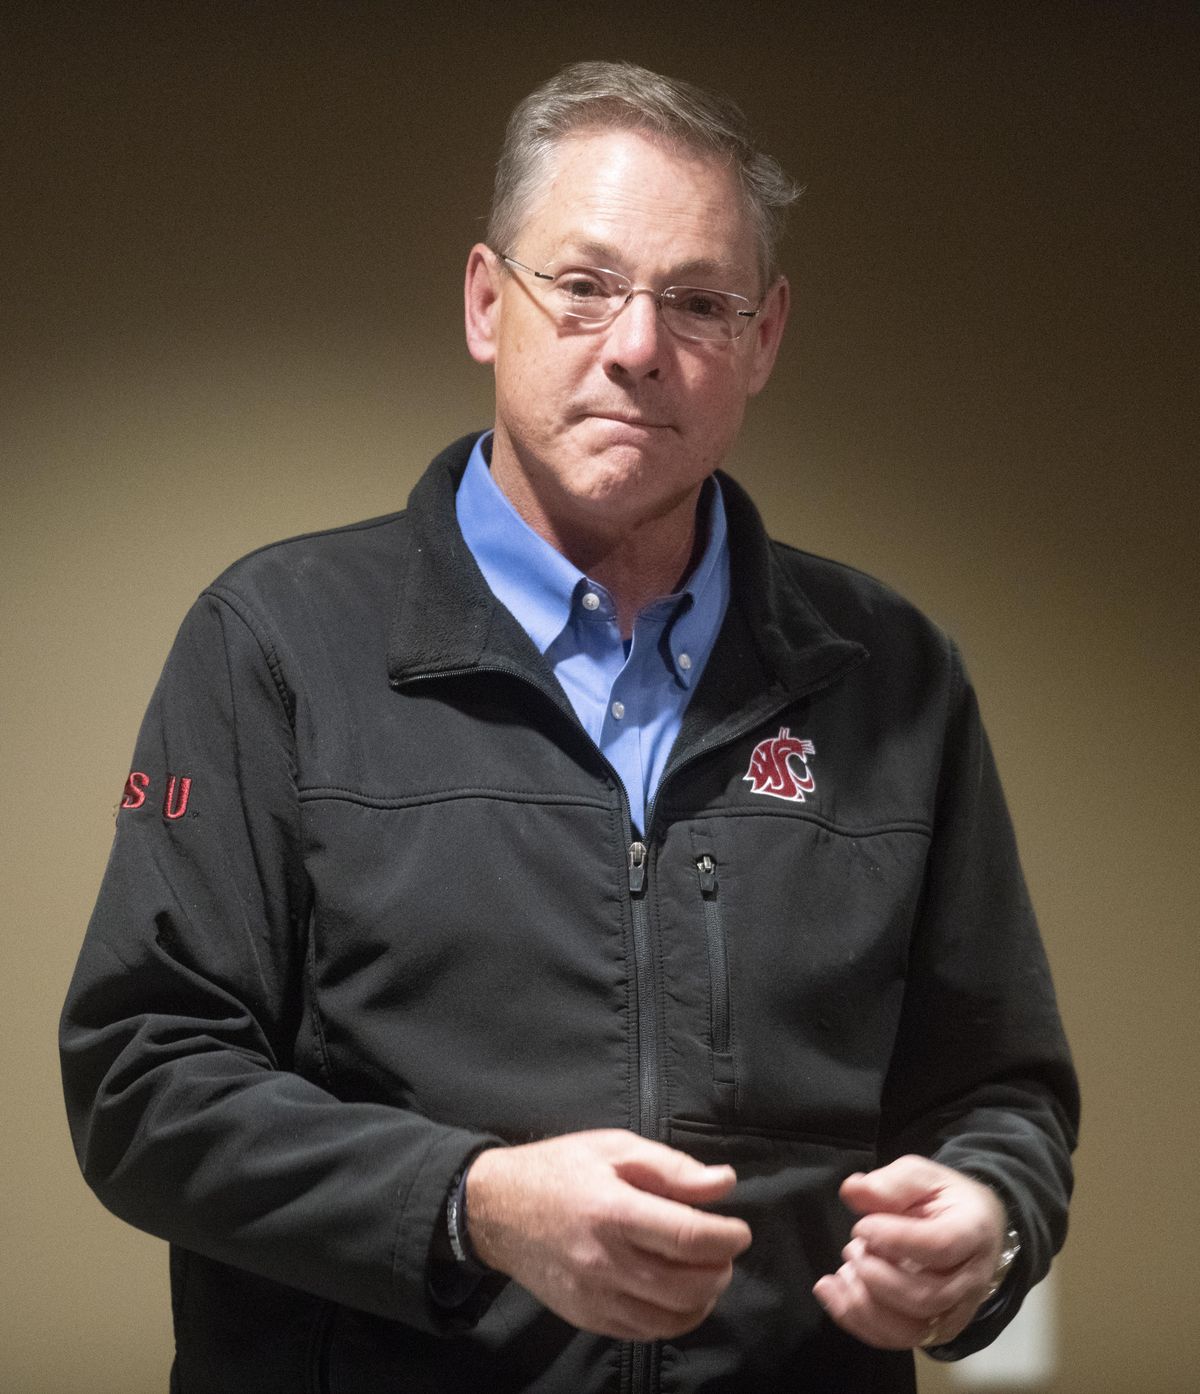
{"points": [[640, 1369], [647, 1024], [642, 1353], [636, 874], [718, 957], [643, 1367], [642, 1363]]}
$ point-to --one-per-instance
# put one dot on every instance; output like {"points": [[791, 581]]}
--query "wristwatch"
{"points": [[456, 1226], [1008, 1256]]}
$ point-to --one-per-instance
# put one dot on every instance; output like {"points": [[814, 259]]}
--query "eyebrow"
{"points": [[605, 255]]}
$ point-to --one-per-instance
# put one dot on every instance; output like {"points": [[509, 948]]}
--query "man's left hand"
{"points": [[920, 1261]]}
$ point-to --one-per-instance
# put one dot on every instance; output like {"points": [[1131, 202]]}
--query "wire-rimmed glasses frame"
{"points": [[698, 313]]}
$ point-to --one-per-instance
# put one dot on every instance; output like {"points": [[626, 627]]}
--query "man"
{"points": [[557, 939]]}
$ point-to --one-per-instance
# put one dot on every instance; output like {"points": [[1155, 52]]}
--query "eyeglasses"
{"points": [[595, 296]]}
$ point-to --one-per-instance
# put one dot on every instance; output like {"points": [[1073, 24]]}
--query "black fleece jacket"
{"points": [[374, 901]]}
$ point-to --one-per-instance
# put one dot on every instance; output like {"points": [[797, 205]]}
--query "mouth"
{"points": [[630, 419]]}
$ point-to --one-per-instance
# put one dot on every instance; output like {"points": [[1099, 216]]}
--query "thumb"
{"points": [[662, 1171], [898, 1187]]}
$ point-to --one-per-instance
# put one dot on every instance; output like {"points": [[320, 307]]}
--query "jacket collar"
{"points": [[446, 619]]}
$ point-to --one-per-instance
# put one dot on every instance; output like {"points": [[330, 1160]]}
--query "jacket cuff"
{"points": [[460, 1291], [421, 1216]]}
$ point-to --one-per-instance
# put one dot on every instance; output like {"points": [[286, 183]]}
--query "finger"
{"points": [[671, 1286], [680, 1232], [916, 1293], [939, 1241], [629, 1318], [848, 1302], [897, 1187], [663, 1171]]}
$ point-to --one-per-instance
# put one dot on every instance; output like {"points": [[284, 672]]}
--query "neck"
{"points": [[642, 563]]}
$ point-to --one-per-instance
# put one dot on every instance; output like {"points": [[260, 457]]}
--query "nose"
{"points": [[634, 343]]}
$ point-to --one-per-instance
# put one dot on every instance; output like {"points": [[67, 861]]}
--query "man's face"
{"points": [[599, 429]]}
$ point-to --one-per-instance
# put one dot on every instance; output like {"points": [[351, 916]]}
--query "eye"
{"points": [[701, 304], [580, 285]]}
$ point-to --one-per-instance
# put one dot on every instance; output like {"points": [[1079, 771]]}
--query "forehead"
{"points": [[655, 206]]}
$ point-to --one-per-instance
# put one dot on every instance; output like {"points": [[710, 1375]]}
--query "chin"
{"points": [[634, 494], [617, 474]]}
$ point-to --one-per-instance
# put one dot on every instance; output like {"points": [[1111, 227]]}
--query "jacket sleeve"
{"points": [[982, 1078], [180, 1029]]}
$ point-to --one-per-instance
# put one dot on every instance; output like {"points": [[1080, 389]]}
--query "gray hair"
{"points": [[622, 96]]}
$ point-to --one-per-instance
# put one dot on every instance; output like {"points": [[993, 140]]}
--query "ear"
{"points": [[481, 295], [767, 330]]}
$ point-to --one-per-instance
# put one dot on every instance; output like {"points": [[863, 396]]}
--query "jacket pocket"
{"points": [[768, 1333], [720, 1021]]}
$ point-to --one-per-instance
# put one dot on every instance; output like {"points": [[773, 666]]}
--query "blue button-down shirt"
{"points": [[629, 698]]}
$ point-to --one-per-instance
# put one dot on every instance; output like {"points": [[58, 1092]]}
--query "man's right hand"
{"points": [[603, 1228]]}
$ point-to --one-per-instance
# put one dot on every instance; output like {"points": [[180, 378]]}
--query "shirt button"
{"points": [[685, 661], [618, 710], [591, 601]]}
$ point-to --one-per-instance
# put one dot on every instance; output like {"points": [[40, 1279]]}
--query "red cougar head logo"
{"points": [[772, 773]]}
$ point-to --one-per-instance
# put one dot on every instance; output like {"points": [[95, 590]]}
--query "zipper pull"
{"points": [[708, 874], [637, 867]]}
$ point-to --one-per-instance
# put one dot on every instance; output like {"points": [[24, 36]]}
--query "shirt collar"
{"points": [[538, 585], [706, 595], [526, 574]]}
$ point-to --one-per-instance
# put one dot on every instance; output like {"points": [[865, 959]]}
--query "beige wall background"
{"points": [[232, 241]]}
